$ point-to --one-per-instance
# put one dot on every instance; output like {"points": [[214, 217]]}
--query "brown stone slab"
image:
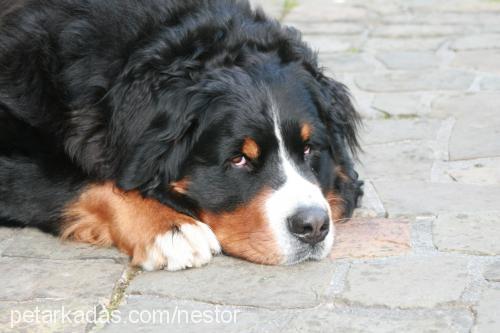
{"points": [[368, 238]]}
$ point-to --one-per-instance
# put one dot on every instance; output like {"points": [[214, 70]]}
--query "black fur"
{"points": [[144, 93]]}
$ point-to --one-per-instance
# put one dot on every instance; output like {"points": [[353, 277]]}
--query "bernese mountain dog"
{"points": [[172, 129]]}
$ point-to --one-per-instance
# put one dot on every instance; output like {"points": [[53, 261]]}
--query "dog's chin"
{"points": [[299, 252]]}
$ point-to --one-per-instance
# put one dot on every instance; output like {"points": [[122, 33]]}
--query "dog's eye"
{"points": [[239, 161], [307, 150]]}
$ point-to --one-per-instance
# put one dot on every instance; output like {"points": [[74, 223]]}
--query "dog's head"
{"points": [[243, 132]]}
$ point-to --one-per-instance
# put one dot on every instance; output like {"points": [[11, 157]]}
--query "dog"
{"points": [[172, 129]]}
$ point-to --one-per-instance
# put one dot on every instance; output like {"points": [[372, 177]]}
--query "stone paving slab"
{"points": [[368, 238], [416, 30], [475, 42], [484, 61], [42, 316], [234, 282], [56, 279], [492, 272], [484, 171], [327, 45], [398, 130], [465, 6], [423, 282], [484, 21], [415, 81], [403, 44], [406, 60], [473, 233], [490, 83], [331, 28], [401, 105], [326, 11], [32, 243], [488, 311], [399, 161], [6, 235], [410, 198], [165, 315], [327, 319], [347, 62], [482, 124]]}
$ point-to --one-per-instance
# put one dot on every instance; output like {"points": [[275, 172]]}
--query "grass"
{"points": [[116, 298], [354, 50], [288, 6], [387, 115]]}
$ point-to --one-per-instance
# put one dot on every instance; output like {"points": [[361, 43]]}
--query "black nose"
{"points": [[310, 224]]}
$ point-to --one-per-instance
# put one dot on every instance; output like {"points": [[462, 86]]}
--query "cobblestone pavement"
{"points": [[423, 253]]}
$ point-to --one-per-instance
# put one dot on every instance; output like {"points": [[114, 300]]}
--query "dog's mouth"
{"points": [[299, 251], [262, 247]]}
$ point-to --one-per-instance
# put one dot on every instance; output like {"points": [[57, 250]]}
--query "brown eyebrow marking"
{"points": [[305, 131], [250, 148]]}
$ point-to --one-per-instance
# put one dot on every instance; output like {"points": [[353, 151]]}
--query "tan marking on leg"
{"points": [[245, 232], [106, 215], [250, 148]]}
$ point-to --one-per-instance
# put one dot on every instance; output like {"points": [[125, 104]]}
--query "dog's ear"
{"points": [[160, 135], [334, 103], [339, 114], [156, 158]]}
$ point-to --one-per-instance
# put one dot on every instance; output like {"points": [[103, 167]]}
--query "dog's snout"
{"points": [[310, 224]]}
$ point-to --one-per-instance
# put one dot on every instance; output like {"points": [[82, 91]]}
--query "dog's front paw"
{"points": [[189, 245]]}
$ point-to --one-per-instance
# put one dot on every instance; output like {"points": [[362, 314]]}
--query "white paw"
{"points": [[192, 245]]}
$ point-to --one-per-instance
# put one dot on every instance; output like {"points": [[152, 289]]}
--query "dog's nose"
{"points": [[310, 224]]}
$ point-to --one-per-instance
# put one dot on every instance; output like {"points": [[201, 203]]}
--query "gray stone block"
{"points": [[404, 60], [398, 130], [484, 171], [472, 233], [416, 30], [476, 133], [326, 319], [234, 282], [422, 282], [55, 316], [410, 198], [398, 161], [490, 83], [492, 272], [488, 310], [26, 279], [6, 235], [415, 81], [32, 243], [484, 61], [403, 44], [347, 63], [475, 42], [156, 314]]}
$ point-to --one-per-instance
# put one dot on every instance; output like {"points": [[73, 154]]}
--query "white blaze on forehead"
{"points": [[296, 192]]}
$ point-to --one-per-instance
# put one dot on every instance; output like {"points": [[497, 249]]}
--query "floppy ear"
{"points": [[158, 134], [156, 158], [339, 114], [342, 120]]}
